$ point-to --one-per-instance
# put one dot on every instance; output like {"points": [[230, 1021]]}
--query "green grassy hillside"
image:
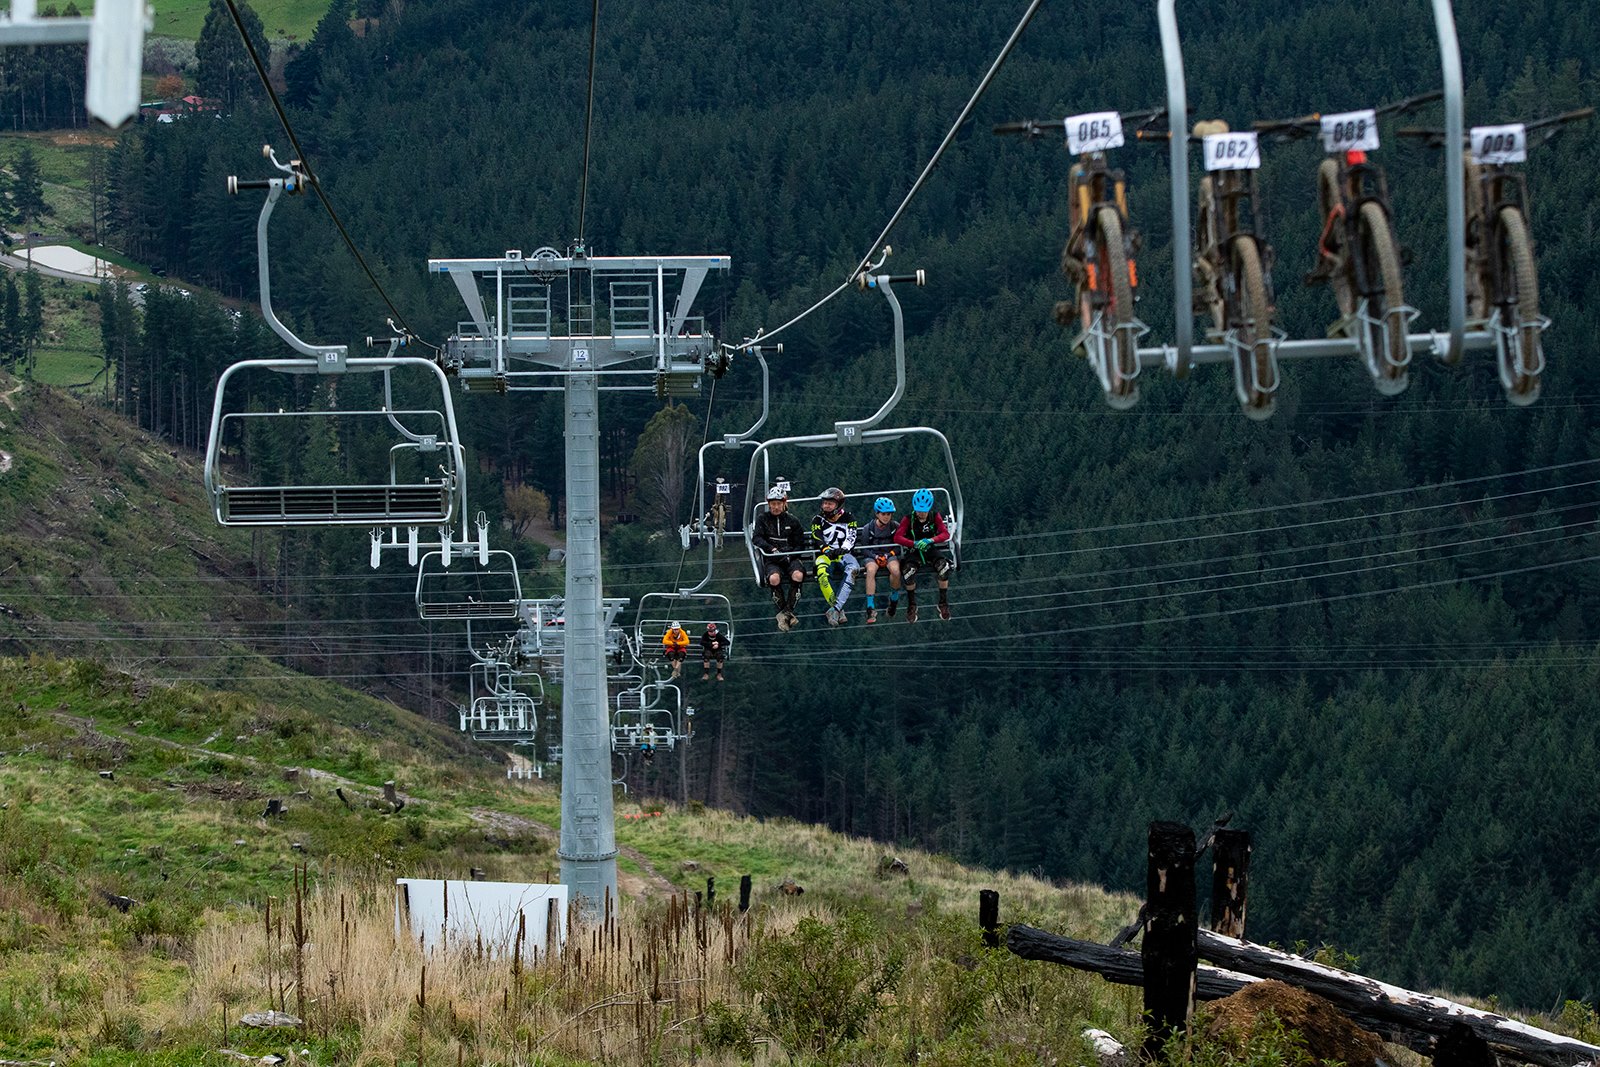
{"points": [[116, 788]]}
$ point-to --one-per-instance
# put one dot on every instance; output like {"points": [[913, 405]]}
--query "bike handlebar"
{"points": [[1036, 128], [1548, 126], [1305, 125]]}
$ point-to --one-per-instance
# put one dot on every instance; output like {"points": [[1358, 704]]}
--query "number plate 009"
{"points": [[1500, 144]]}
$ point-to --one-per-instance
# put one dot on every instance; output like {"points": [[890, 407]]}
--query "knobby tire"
{"points": [[1522, 306], [1256, 330], [1119, 311], [1375, 230]]}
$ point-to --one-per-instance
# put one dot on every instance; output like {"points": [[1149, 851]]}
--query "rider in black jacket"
{"points": [[782, 541]]}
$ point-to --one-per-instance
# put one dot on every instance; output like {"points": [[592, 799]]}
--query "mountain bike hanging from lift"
{"points": [[1357, 254], [1502, 279], [1099, 255], [1233, 261]]}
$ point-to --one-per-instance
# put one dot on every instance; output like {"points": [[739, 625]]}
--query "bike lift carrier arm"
{"points": [[1448, 347]]}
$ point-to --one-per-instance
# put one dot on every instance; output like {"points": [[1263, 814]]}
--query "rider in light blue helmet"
{"points": [[875, 545], [924, 540]]}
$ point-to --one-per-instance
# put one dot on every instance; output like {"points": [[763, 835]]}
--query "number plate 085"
{"points": [[1094, 132]]}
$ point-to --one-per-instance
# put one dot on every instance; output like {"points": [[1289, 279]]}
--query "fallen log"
{"points": [[1418, 1013], [1122, 966], [1393, 1013]]}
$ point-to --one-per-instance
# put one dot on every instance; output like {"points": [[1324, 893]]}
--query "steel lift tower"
{"points": [[535, 324]]}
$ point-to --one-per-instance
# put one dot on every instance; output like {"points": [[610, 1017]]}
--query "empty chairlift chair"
{"points": [[468, 590]]}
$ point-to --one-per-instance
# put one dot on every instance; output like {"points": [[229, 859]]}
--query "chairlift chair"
{"points": [[653, 715], [658, 611], [425, 483], [469, 591]]}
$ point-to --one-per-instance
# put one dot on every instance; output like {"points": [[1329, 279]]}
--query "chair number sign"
{"points": [[723, 488], [781, 486], [1232, 151], [1500, 144], [1352, 131], [580, 357], [1094, 132]]}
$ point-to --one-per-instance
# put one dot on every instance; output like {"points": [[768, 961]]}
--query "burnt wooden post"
{"points": [[1230, 877], [711, 891], [1460, 1047], [744, 892], [1169, 955], [989, 916]]}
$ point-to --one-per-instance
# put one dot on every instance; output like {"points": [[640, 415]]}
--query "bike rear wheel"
{"points": [[1387, 330], [1520, 308], [1332, 240], [1116, 285], [1257, 372]]}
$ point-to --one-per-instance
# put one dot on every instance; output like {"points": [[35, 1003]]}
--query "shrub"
{"points": [[819, 986]]}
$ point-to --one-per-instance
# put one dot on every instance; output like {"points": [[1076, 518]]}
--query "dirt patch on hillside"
{"points": [[1328, 1034]]}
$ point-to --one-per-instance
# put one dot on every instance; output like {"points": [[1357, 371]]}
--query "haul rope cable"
{"points": [[1546, 536]]}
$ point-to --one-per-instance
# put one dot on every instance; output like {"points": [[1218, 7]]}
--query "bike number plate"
{"points": [[1232, 151], [1095, 131], [1353, 131], [1500, 144]]}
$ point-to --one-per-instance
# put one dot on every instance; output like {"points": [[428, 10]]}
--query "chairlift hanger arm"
{"points": [[329, 358], [848, 430]]}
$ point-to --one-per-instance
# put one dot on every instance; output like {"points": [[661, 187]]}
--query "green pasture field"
{"points": [[283, 19]]}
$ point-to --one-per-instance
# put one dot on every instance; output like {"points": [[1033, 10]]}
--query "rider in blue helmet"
{"points": [[875, 545], [924, 540]]}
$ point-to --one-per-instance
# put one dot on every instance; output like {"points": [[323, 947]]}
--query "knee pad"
{"points": [[944, 567]]}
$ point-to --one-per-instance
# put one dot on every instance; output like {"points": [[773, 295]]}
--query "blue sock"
{"points": [[870, 604], [894, 595]]}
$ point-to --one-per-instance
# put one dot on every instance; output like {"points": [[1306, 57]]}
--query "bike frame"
{"points": [[1360, 182], [1091, 185]]}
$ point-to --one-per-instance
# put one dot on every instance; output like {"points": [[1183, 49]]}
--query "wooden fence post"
{"points": [[989, 916], [1230, 878], [711, 891], [744, 892], [1169, 955]]}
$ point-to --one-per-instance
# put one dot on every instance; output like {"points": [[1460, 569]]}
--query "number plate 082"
{"points": [[1500, 144], [1353, 131], [1232, 151], [1094, 132]]}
